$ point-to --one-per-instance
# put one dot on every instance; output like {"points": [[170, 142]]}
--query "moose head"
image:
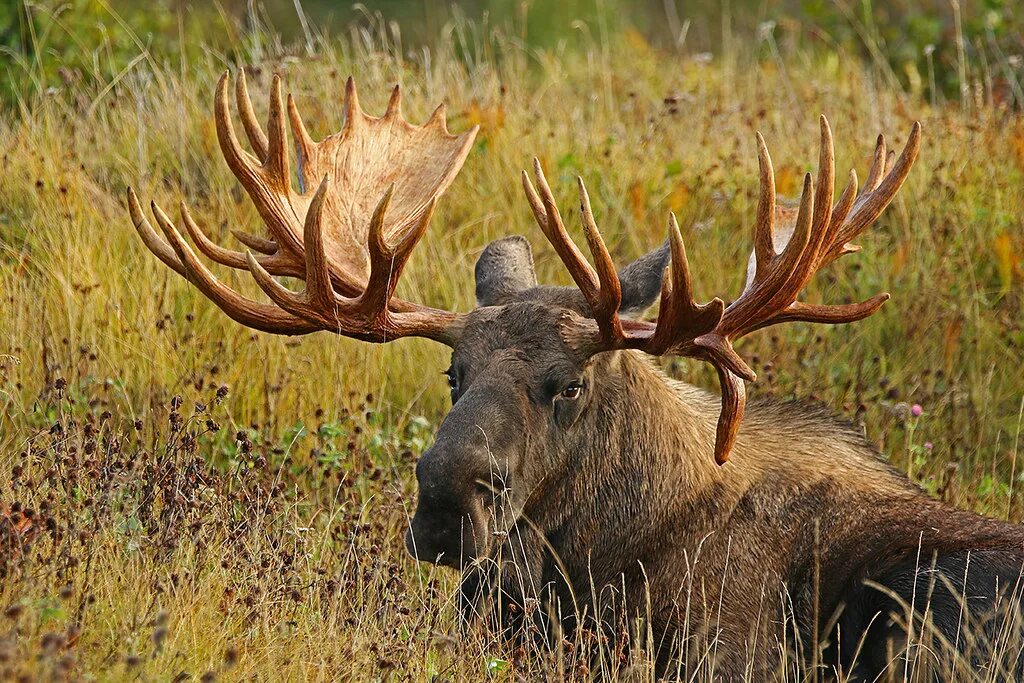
{"points": [[531, 365]]}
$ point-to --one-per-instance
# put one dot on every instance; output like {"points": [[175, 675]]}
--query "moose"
{"points": [[573, 482]]}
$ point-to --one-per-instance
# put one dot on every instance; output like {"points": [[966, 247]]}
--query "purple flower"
{"points": [[929, 445], [916, 410]]}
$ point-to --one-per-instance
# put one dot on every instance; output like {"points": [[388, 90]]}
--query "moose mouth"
{"points": [[442, 558], [442, 540]]}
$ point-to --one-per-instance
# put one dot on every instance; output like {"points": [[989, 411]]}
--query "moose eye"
{"points": [[572, 392], [453, 381]]}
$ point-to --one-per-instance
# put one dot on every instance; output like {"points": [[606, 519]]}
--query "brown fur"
{"points": [[612, 504]]}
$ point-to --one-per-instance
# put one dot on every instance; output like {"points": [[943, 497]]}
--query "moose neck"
{"points": [[647, 445]]}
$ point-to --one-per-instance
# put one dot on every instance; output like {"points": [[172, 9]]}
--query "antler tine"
{"points": [[797, 247], [833, 314], [257, 138], [680, 317], [870, 204], [387, 267], [889, 159], [822, 215], [439, 118], [250, 313], [607, 299], [840, 211], [550, 222], [161, 249], [382, 260], [318, 274], [303, 141], [264, 182], [256, 243], [353, 113], [240, 162], [681, 283], [395, 102], [536, 205], [276, 163], [277, 263], [877, 169], [764, 223], [317, 303], [825, 186], [771, 291]]}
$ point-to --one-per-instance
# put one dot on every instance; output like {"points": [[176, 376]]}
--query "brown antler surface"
{"points": [[365, 198], [780, 267]]}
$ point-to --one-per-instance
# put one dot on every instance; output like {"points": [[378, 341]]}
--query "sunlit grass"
{"points": [[338, 424]]}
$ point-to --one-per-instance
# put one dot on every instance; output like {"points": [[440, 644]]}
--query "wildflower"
{"points": [[916, 410], [929, 445]]}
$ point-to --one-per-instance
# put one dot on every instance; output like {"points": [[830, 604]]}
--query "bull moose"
{"points": [[576, 485]]}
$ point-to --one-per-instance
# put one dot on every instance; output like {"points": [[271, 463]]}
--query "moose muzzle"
{"points": [[463, 477], [451, 525]]}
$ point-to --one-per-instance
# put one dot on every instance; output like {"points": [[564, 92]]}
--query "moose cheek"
{"points": [[568, 411]]}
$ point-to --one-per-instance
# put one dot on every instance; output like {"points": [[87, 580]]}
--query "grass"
{"points": [[259, 533]]}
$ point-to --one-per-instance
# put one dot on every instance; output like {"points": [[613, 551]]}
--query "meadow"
{"points": [[184, 499]]}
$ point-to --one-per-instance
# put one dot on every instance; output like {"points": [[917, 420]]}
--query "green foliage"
{"points": [[55, 43]]}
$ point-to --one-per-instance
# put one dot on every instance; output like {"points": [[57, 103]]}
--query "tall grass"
{"points": [[99, 342]]}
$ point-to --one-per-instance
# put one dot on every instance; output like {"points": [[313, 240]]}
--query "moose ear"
{"points": [[504, 268], [641, 280]]}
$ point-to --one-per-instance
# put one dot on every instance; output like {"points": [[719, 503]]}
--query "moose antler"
{"points": [[366, 196], [820, 234]]}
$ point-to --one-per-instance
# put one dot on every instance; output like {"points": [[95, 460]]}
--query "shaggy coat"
{"points": [[609, 506]]}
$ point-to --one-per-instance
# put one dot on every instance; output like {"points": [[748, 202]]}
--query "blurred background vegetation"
{"points": [[943, 49], [114, 372]]}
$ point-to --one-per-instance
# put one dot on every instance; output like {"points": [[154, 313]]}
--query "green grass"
{"points": [[182, 548]]}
